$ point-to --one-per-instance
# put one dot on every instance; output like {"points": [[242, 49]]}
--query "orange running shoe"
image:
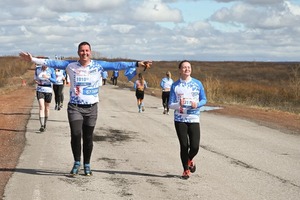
{"points": [[186, 174], [192, 166]]}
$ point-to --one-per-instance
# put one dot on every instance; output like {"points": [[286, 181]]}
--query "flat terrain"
{"points": [[246, 153]]}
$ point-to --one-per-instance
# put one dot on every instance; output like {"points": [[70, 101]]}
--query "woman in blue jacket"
{"points": [[187, 95]]}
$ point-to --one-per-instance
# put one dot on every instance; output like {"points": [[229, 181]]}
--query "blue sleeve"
{"points": [[202, 96], [116, 65], [162, 83], [57, 64], [130, 73], [129, 67], [134, 85], [53, 76], [173, 104]]}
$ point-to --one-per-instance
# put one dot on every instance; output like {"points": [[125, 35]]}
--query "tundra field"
{"points": [[265, 92]]}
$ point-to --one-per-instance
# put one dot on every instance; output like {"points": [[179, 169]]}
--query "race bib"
{"points": [[83, 80]]}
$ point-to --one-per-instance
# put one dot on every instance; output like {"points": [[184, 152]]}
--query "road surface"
{"points": [[136, 156]]}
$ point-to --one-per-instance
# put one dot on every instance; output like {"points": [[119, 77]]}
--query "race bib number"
{"points": [[187, 102], [83, 80]]}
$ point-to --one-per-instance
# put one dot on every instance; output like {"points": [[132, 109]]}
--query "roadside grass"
{"points": [[260, 84], [270, 85], [11, 67]]}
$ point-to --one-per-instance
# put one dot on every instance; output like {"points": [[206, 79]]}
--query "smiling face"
{"points": [[185, 70], [84, 53]]}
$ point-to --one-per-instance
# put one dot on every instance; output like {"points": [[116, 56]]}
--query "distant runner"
{"points": [[43, 77]]}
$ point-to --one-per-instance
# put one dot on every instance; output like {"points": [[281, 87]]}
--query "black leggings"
{"points": [[58, 93], [165, 100], [189, 139], [77, 127], [115, 80]]}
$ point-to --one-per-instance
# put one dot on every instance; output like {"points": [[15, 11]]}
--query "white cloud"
{"points": [[294, 9], [264, 17], [122, 28], [156, 11], [237, 30], [82, 5]]}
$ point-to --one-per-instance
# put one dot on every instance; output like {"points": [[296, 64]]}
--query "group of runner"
{"points": [[185, 96]]}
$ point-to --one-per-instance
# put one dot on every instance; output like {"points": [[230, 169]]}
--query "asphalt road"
{"points": [[136, 156]]}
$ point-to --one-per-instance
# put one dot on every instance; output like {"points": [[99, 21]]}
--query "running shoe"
{"points": [[192, 166], [42, 129], [164, 112], [87, 170], [56, 107], [75, 169], [186, 174], [143, 108]]}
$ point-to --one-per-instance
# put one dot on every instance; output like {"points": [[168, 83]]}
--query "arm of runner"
{"points": [[202, 96], [129, 67], [53, 76], [173, 102], [57, 64]]}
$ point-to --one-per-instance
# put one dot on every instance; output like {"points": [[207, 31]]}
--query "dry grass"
{"points": [[12, 72], [261, 84]]}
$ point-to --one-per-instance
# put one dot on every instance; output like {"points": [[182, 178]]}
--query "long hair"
{"points": [[169, 75], [141, 78]]}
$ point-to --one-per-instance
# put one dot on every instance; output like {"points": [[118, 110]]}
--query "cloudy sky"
{"points": [[215, 30]]}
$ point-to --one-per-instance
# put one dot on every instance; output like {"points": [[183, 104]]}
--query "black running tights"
{"points": [[165, 99], [77, 127], [58, 93], [189, 139]]}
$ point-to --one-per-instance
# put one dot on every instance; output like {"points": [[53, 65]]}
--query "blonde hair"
{"points": [[141, 78], [169, 74]]}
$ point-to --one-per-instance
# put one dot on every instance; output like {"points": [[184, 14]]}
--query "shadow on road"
{"points": [[136, 173], [32, 171], [44, 172]]}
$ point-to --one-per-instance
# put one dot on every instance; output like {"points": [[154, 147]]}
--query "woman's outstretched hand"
{"points": [[26, 56]]}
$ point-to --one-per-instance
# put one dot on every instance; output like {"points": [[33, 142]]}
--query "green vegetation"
{"points": [[261, 84]]}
